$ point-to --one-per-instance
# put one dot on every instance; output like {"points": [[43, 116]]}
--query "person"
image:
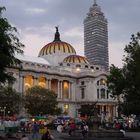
{"points": [[122, 129], [35, 130], [47, 135], [60, 128], [84, 131], [72, 128], [24, 137]]}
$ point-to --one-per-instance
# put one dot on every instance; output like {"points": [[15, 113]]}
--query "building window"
{"points": [[103, 82], [82, 83], [78, 66], [65, 89], [68, 64], [98, 94], [104, 108], [86, 66], [98, 109], [92, 67], [102, 93], [97, 83], [61, 64], [66, 109], [82, 93]]}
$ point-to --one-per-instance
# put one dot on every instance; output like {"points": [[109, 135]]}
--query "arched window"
{"points": [[103, 82], [102, 93], [86, 66]]}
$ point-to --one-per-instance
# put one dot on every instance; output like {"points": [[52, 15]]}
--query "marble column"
{"points": [[99, 93], [58, 89], [49, 83], [35, 81], [69, 90], [73, 95], [61, 89], [22, 85]]}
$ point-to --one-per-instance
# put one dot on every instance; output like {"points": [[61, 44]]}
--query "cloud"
{"points": [[37, 18], [35, 10]]}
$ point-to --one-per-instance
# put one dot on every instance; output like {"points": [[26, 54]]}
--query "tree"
{"points": [[87, 109], [132, 73], [41, 101], [9, 46], [116, 84], [9, 101], [125, 81]]}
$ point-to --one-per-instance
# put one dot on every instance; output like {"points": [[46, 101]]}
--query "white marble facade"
{"points": [[73, 79]]}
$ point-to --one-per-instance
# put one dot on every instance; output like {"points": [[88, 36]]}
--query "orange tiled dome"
{"points": [[57, 46], [76, 59]]}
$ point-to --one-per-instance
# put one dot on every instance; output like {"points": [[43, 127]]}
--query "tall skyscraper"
{"points": [[96, 37]]}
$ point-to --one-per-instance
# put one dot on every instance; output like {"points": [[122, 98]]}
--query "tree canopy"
{"points": [[126, 80], [116, 85], [132, 74], [9, 46], [87, 109], [40, 101], [10, 100]]}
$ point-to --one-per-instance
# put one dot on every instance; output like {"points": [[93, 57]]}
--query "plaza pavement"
{"points": [[134, 135], [64, 136]]}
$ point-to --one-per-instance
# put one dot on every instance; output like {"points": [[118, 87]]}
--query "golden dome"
{"points": [[76, 59], [56, 46]]}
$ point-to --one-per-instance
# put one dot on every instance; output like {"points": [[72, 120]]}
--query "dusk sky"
{"points": [[36, 21]]}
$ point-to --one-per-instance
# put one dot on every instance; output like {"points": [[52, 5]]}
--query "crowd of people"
{"points": [[35, 128], [23, 129], [71, 127]]}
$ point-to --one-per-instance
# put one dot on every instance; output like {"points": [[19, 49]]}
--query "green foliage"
{"points": [[87, 110], [42, 101], [116, 81], [9, 46], [132, 73], [10, 99], [126, 81]]}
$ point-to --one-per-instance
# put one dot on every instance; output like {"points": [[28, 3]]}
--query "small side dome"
{"points": [[76, 59], [57, 46]]}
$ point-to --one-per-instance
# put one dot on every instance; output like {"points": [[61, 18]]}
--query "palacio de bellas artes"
{"points": [[76, 79]]}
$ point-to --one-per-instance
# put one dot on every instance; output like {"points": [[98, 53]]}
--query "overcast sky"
{"points": [[36, 19]]}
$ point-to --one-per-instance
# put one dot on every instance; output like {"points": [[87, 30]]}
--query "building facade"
{"points": [[96, 37], [73, 79]]}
